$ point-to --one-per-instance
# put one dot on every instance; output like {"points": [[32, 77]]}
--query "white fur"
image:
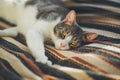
{"points": [[35, 31]]}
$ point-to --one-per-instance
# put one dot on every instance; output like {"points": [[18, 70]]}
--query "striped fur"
{"points": [[98, 60]]}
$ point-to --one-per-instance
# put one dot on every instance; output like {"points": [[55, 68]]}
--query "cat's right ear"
{"points": [[89, 36], [70, 18]]}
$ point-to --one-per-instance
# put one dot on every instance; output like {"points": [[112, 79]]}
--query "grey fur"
{"points": [[75, 31], [49, 9]]}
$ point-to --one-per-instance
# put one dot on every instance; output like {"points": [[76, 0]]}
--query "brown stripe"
{"points": [[2, 64], [88, 65], [77, 52], [106, 52], [106, 42], [100, 22], [55, 53], [118, 45], [109, 61], [83, 16], [1, 78], [106, 59], [32, 65], [3, 25]]}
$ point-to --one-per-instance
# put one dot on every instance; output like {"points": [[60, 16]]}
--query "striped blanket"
{"points": [[98, 60]]}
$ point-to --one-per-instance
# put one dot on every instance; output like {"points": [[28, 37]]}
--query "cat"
{"points": [[43, 21]]}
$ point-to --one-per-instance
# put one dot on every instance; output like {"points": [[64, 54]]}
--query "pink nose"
{"points": [[62, 45]]}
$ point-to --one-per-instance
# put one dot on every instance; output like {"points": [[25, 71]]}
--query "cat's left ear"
{"points": [[70, 18], [89, 36]]}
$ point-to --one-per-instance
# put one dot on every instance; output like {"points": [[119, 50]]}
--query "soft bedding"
{"points": [[97, 60]]}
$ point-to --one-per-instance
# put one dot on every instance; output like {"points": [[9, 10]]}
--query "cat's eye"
{"points": [[73, 43], [64, 34]]}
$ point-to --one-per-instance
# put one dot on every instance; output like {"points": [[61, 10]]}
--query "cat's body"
{"points": [[40, 21]]}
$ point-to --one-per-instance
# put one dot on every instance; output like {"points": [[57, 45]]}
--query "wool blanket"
{"points": [[97, 60]]}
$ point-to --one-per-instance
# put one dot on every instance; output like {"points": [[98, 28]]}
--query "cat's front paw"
{"points": [[44, 60]]}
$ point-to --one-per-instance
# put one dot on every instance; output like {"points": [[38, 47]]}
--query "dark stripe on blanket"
{"points": [[99, 51], [101, 2], [14, 48], [7, 72], [6, 22], [100, 27], [108, 39], [55, 72], [36, 67], [109, 43], [71, 63]]}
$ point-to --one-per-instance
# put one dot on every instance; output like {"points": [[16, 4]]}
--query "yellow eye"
{"points": [[73, 44], [64, 34]]}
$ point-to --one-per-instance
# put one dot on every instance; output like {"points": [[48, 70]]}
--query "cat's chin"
{"points": [[62, 48]]}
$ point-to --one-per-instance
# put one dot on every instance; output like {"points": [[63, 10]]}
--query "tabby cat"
{"points": [[43, 21]]}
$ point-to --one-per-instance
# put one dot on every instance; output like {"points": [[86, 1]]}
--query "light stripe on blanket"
{"points": [[88, 60], [103, 32]]}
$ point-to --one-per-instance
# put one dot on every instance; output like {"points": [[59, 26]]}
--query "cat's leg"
{"points": [[35, 43], [9, 32]]}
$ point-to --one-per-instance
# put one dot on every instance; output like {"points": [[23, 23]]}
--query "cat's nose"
{"points": [[62, 45]]}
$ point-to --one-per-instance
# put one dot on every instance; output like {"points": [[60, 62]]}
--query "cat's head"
{"points": [[68, 34]]}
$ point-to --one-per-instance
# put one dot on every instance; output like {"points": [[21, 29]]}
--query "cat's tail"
{"points": [[9, 32]]}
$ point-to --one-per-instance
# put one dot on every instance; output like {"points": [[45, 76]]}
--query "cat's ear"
{"points": [[70, 18], [89, 36]]}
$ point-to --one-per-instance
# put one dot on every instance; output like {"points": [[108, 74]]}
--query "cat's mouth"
{"points": [[62, 47]]}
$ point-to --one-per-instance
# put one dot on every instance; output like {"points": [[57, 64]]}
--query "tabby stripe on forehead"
{"points": [[31, 2]]}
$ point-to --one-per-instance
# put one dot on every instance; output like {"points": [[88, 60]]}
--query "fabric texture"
{"points": [[98, 60]]}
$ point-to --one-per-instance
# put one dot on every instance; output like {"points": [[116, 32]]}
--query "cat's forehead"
{"points": [[75, 27], [72, 29]]}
